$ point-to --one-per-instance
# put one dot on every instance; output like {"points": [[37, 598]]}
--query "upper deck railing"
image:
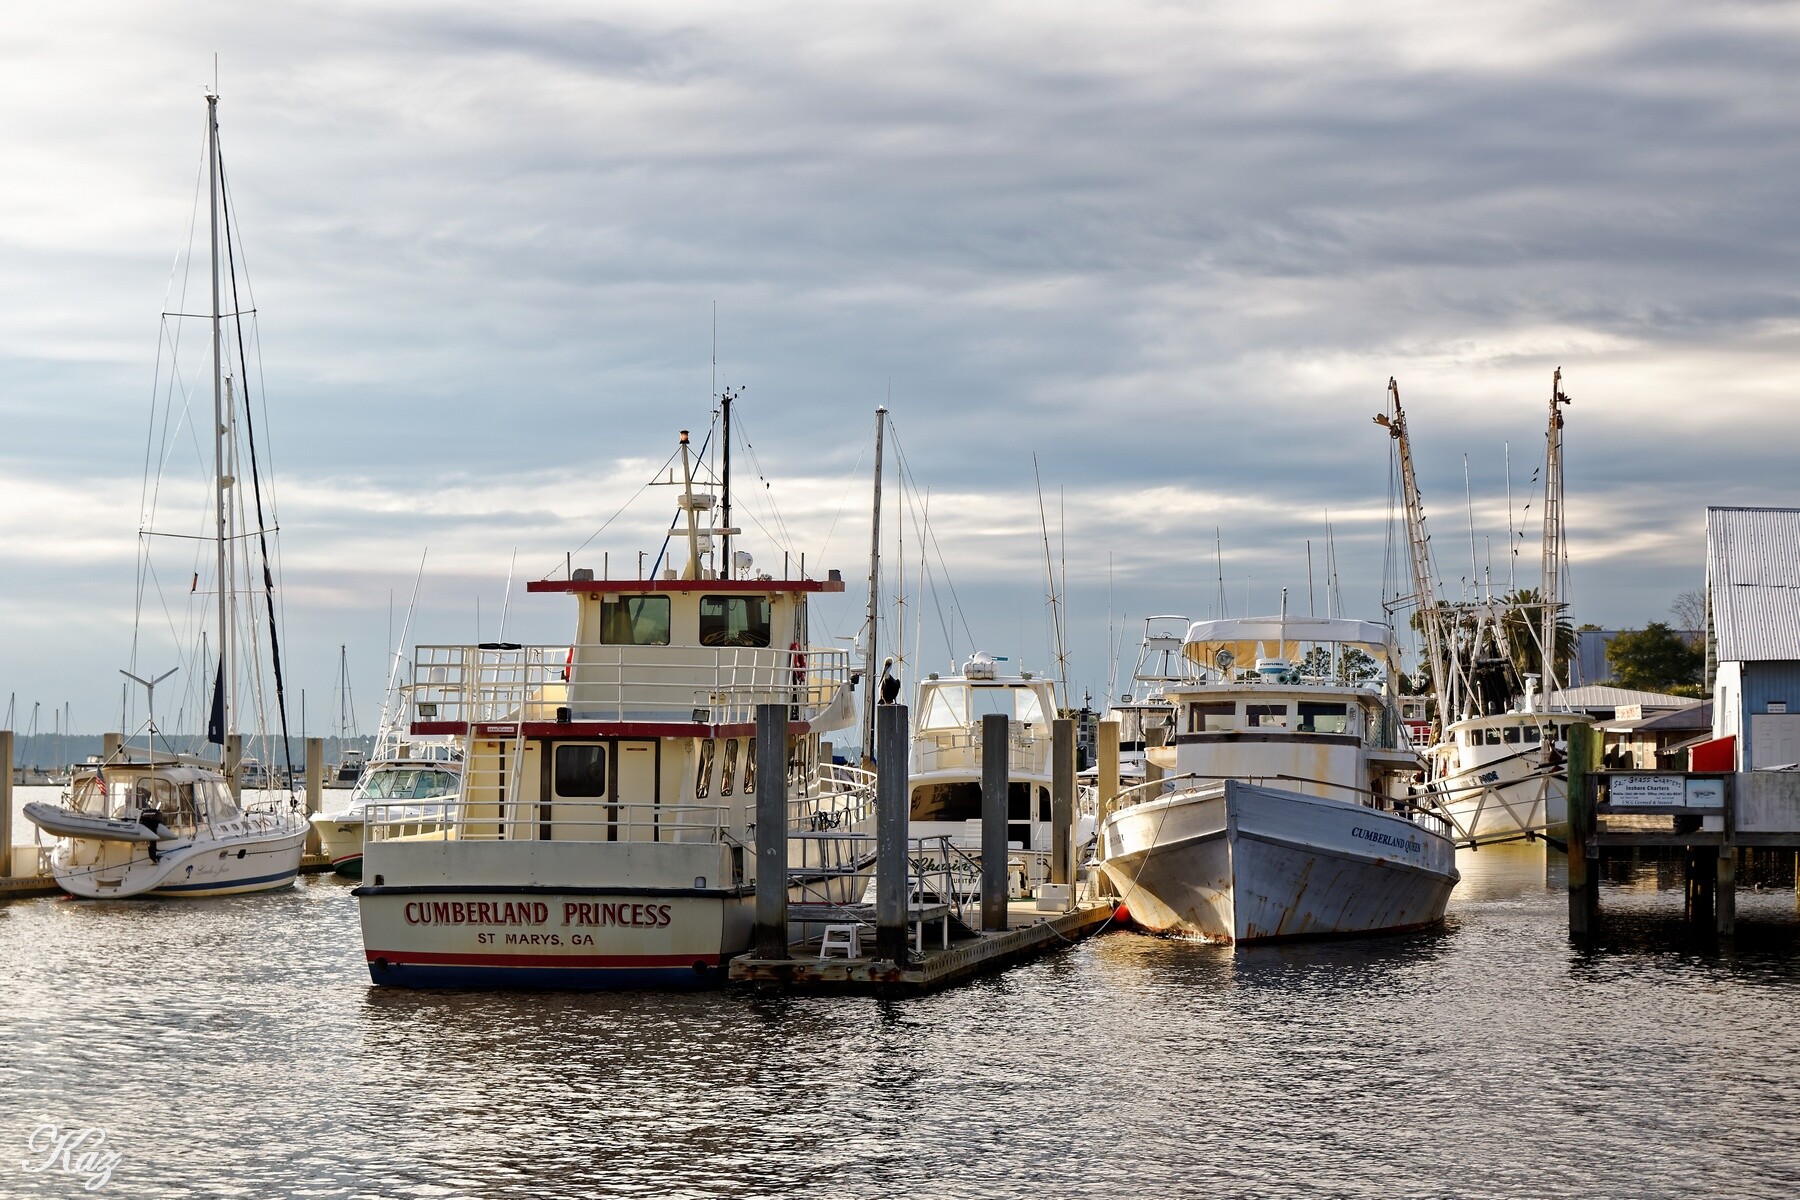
{"points": [[702, 684], [1027, 748]]}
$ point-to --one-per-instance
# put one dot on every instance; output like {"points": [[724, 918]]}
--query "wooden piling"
{"points": [[995, 776], [1584, 856], [1062, 801], [771, 832], [315, 788], [891, 814], [6, 802], [1106, 755]]}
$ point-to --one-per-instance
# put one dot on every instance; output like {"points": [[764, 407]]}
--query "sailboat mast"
{"points": [[220, 508], [873, 685], [1419, 554]]}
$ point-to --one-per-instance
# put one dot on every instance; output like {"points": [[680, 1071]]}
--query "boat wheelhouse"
{"points": [[409, 781], [946, 754]]}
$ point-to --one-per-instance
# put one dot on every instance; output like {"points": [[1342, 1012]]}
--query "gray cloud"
{"points": [[1174, 251]]}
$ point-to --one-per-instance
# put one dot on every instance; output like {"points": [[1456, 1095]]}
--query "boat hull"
{"points": [[1252, 864], [252, 859], [440, 913]]}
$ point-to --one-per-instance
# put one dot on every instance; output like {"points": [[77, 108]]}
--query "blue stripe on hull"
{"points": [[221, 885], [585, 979]]}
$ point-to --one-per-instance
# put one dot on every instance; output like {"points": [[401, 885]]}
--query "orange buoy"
{"points": [[1121, 915]]}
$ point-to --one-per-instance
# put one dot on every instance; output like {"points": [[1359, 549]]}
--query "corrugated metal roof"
{"points": [[1753, 580], [1600, 696]]}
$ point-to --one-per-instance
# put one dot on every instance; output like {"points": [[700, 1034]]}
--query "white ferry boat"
{"points": [[604, 835], [1289, 815]]}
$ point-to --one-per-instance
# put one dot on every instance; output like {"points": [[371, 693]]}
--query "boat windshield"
{"points": [[957, 706], [406, 784]]}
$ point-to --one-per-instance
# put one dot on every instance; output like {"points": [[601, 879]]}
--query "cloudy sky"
{"points": [[1172, 250]]}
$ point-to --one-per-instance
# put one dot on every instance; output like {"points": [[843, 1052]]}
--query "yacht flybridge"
{"points": [[1289, 814], [604, 833]]}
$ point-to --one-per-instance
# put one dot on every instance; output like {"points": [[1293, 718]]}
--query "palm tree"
{"points": [[1523, 622]]}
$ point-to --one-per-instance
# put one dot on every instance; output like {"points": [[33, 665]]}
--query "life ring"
{"points": [[799, 664], [568, 661]]}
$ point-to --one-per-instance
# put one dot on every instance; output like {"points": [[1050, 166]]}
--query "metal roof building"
{"points": [[1753, 583], [1753, 631]]}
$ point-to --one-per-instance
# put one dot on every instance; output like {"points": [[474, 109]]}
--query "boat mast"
{"points": [[220, 480], [725, 488], [874, 684], [1552, 563], [690, 507], [1424, 593]]}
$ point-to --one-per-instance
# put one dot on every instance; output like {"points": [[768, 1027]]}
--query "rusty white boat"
{"points": [[1289, 815], [604, 834]]}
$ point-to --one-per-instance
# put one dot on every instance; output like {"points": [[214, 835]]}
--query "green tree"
{"points": [[1523, 622], [1654, 659]]}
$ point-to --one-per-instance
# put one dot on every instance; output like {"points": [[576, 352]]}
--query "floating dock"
{"points": [[944, 950]]}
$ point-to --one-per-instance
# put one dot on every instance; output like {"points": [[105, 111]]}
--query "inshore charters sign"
{"points": [[1664, 791]]}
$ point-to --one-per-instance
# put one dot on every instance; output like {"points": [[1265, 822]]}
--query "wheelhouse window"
{"points": [[1492, 736], [1323, 718], [1510, 735], [703, 773], [731, 753], [945, 708], [1211, 716], [635, 621], [734, 620], [1533, 735], [580, 771], [1266, 716]]}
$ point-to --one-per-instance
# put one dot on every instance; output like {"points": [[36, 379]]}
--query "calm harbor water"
{"points": [[234, 1048]]}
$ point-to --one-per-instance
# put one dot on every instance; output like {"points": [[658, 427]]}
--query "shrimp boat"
{"points": [[604, 834], [1495, 754], [153, 821], [1290, 814]]}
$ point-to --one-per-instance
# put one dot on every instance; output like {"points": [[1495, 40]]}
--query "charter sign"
{"points": [[75, 1153]]}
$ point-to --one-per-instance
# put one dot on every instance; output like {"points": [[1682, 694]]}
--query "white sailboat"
{"points": [[1288, 815], [604, 835], [150, 821]]}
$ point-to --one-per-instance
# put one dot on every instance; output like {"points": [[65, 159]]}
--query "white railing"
{"points": [[715, 686], [558, 820], [1411, 810]]}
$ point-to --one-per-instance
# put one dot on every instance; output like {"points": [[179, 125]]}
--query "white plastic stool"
{"points": [[847, 938]]}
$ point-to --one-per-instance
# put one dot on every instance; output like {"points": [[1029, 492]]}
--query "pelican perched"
{"points": [[890, 686]]}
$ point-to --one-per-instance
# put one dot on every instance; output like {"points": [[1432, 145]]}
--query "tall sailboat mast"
{"points": [[222, 700], [873, 684], [1553, 552]]}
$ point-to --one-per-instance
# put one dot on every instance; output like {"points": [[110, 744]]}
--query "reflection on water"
{"points": [[234, 1048]]}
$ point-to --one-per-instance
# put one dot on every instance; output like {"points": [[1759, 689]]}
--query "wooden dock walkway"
{"points": [[1029, 933]]}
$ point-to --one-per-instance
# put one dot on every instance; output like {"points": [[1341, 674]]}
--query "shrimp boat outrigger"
{"points": [[604, 834]]}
